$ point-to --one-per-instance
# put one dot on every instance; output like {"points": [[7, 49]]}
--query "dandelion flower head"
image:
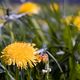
{"points": [[19, 53], [29, 8], [67, 20], [76, 22]]}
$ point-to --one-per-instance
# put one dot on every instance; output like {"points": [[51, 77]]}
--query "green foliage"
{"points": [[45, 30]]}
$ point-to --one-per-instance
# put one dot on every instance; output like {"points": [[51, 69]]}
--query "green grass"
{"points": [[47, 31]]}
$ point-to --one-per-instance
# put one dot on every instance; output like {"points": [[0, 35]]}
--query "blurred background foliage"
{"points": [[47, 29]]}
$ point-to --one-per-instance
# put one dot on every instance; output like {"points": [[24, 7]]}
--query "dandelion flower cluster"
{"points": [[19, 53], [29, 8]]}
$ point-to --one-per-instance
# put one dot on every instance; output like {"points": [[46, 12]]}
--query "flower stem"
{"points": [[11, 33], [7, 72], [56, 63]]}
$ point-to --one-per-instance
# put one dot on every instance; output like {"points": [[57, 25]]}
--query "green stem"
{"points": [[28, 72], [17, 74], [11, 33], [72, 65], [47, 68], [12, 78], [56, 63]]}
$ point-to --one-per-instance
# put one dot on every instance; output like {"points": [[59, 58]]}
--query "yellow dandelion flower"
{"points": [[67, 20], [29, 8], [76, 22], [54, 6], [19, 53]]}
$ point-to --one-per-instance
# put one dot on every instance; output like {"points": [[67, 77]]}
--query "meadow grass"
{"points": [[42, 46]]}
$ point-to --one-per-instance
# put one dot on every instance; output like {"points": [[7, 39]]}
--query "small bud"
{"points": [[46, 70]]}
